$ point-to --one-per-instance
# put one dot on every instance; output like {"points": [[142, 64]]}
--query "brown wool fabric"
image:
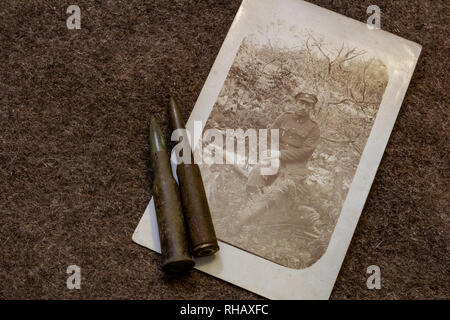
{"points": [[74, 165]]}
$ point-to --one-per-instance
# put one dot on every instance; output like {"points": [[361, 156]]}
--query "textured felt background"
{"points": [[74, 171]]}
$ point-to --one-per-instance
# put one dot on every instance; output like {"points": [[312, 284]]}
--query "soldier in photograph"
{"points": [[299, 136]]}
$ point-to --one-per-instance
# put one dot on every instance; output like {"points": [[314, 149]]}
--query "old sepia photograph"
{"points": [[323, 96]]}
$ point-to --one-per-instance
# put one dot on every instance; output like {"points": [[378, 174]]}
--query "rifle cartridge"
{"points": [[195, 204], [171, 224]]}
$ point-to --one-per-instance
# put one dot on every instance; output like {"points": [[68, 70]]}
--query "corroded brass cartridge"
{"points": [[195, 204], [171, 224]]}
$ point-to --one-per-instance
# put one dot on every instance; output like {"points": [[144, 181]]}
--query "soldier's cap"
{"points": [[306, 97]]}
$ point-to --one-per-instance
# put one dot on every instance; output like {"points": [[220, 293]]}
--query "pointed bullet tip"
{"points": [[176, 118], [156, 137], [153, 121], [173, 101]]}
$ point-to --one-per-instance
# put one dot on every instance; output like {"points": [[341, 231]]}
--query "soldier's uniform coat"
{"points": [[299, 137]]}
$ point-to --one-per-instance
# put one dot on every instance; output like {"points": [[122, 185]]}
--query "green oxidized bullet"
{"points": [[195, 204], [171, 224]]}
